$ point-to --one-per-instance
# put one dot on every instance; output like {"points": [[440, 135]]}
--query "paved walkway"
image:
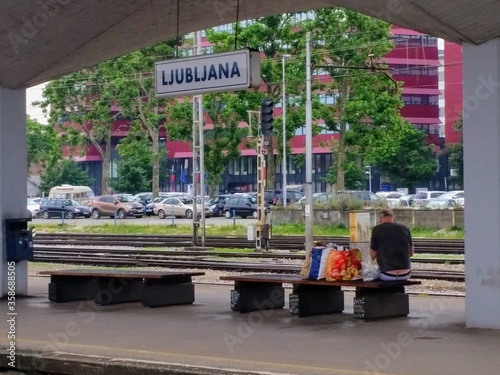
{"points": [[209, 336]]}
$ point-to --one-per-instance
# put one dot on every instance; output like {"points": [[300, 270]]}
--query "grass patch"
{"points": [[289, 229], [437, 233], [211, 230], [439, 256]]}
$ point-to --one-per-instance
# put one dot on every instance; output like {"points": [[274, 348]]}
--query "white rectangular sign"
{"points": [[229, 71]]}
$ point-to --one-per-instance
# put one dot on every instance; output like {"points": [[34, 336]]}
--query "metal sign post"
{"points": [[198, 158], [261, 180]]}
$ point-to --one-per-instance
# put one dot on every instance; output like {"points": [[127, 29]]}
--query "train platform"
{"points": [[208, 338]]}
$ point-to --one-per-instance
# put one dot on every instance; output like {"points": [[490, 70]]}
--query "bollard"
{"points": [[62, 217], [234, 218], [173, 217], [116, 214]]}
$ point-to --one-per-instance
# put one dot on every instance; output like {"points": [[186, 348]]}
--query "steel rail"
{"points": [[295, 243], [117, 257]]}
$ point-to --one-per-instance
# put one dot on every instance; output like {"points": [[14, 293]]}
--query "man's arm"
{"points": [[373, 245]]}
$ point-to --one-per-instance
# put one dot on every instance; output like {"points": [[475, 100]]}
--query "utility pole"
{"points": [[308, 185], [198, 157], [283, 106]]}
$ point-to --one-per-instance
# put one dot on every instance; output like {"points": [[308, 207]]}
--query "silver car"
{"points": [[178, 207]]}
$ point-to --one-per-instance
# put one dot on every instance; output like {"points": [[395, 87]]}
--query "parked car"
{"points": [[217, 203], [144, 198], [439, 204], [275, 196], [82, 194], [456, 195], [318, 198], [421, 197], [121, 206], [406, 200], [178, 207], [242, 206], [67, 207], [363, 195], [393, 199], [149, 207], [33, 208]]}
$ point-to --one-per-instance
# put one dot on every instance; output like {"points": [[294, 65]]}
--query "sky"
{"points": [[33, 94]]}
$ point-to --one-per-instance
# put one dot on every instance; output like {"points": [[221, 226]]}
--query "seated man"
{"points": [[392, 245]]}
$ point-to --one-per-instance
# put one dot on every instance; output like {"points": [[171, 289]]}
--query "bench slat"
{"points": [[121, 273], [297, 279]]}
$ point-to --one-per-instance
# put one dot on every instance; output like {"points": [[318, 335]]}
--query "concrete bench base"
{"points": [[152, 288], [307, 300], [381, 304], [247, 297], [375, 299]]}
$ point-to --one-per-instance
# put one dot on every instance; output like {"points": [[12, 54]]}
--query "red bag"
{"points": [[344, 265]]}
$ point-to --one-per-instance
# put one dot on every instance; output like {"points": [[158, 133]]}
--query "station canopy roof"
{"points": [[44, 39]]}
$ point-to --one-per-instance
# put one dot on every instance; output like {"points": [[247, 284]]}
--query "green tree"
{"points": [[81, 104], [134, 79], [223, 140], [456, 154], [274, 36], [345, 42], [353, 171], [134, 166], [409, 160], [43, 144], [65, 171], [132, 178]]}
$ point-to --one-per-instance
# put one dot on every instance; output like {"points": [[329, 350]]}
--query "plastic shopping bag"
{"points": [[343, 265], [319, 257], [370, 271]]}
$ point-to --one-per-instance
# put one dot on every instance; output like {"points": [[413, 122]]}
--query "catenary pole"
{"points": [[308, 184], [198, 157], [283, 105]]}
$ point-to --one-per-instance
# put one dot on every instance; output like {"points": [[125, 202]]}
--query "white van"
{"points": [[81, 194]]}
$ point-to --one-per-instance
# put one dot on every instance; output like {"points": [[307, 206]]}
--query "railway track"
{"points": [[284, 262], [290, 243]]}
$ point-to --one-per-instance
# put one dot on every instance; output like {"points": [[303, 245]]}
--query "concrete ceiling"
{"points": [[43, 39]]}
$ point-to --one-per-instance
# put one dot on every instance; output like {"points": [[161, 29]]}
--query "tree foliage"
{"points": [[65, 171], [273, 36], [456, 154], [81, 105], [134, 79], [409, 159], [364, 100], [134, 165], [43, 144]]}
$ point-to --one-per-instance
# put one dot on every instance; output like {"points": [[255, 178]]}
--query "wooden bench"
{"points": [[106, 287], [375, 299]]}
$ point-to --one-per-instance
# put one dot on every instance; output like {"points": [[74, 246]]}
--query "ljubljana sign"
{"points": [[229, 71]]}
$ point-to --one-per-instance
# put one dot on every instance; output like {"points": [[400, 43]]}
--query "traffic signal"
{"points": [[266, 116]]}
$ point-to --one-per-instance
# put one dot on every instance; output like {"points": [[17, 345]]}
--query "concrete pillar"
{"points": [[13, 176], [360, 228], [481, 84]]}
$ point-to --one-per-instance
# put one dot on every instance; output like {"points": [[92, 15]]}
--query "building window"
{"points": [[433, 99], [328, 98], [414, 70], [428, 128]]}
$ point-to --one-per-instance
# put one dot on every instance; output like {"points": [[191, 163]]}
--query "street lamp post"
{"points": [[369, 173], [283, 158]]}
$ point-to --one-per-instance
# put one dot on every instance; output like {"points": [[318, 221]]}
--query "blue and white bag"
{"points": [[319, 258]]}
